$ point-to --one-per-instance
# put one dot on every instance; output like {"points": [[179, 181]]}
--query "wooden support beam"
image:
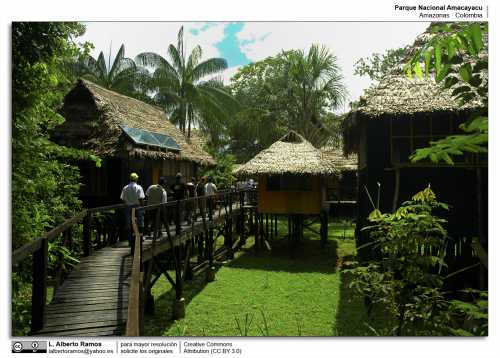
{"points": [[135, 312], [39, 286], [87, 234]]}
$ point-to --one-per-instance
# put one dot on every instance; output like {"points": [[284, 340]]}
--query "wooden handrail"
{"points": [[134, 312], [34, 245]]}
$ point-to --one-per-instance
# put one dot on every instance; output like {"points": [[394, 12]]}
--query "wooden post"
{"points": [[483, 273], [324, 227], [276, 225], [229, 234], [149, 304], [179, 303], [177, 218], [289, 227], [267, 225], [39, 286], [87, 235], [211, 268], [200, 248], [396, 189]]}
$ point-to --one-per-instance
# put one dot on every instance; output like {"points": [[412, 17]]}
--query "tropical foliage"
{"points": [[457, 58], [378, 65], [407, 278], [122, 76], [45, 184], [181, 86], [293, 90], [313, 85]]}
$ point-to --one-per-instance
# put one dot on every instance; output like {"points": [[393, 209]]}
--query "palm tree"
{"points": [[122, 76], [179, 86], [314, 88]]}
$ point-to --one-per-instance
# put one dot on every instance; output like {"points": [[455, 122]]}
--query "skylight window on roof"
{"points": [[140, 136]]}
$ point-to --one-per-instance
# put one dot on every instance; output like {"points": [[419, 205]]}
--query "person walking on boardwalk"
{"points": [[156, 194], [133, 195], [210, 191], [191, 195], [179, 193], [200, 193]]}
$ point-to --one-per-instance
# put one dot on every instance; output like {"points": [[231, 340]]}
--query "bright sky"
{"points": [[241, 43]]}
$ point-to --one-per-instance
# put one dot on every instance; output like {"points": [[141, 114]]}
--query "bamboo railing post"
{"points": [[39, 286]]}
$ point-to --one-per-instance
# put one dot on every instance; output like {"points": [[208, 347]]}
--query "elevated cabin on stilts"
{"points": [[341, 191], [129, 135], [394, 118], [291, 182]]}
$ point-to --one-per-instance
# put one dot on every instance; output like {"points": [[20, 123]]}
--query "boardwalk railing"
{"points": [[200, 214], [135, 321], [83, 233], [96, 228]]}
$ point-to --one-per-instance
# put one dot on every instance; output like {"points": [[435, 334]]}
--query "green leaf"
{"points": [[452, 49], [418, 70], [477, 36], [427, 61], [375, 215], [443, 72], [437, 58], [447, 158], [465, 72]]}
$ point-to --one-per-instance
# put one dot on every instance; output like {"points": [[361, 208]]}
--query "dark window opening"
{"points": [[289, 183]]}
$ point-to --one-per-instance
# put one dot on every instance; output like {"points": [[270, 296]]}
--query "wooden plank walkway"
{"points": [[93, 300]]}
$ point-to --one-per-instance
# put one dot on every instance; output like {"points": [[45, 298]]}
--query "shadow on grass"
{"points": [[352, 319], [306, 256], [162, 318]]}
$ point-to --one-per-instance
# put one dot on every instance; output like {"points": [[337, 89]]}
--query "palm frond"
{"points": [[176, 58], [193, 59], [209, 67], [103, 70], [117, 63], [150, 60], [180, 44]]}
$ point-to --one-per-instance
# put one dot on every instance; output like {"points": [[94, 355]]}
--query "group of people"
{"points": [[133, 195]]}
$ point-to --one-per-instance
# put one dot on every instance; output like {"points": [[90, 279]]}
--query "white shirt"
{"points": [[156, 194], [210, 189], [131, 194]]}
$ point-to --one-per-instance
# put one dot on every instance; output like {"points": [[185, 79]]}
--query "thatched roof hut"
{"points": [[335, 155], [98, 120], [396, 95], [291, 154]]}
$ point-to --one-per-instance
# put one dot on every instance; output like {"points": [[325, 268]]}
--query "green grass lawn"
{"points": [[277, 293]]}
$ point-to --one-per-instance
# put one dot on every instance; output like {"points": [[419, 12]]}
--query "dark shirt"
{"points": [[179, 191], [191, 189], [200, 189]]}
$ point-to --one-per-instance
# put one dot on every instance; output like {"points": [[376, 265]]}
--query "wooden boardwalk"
{"points": [[93, 300]]}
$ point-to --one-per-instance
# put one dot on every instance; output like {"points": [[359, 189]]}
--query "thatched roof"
{"points": [[292, 154], [397, 94], [95, 117], [335, 155]]}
